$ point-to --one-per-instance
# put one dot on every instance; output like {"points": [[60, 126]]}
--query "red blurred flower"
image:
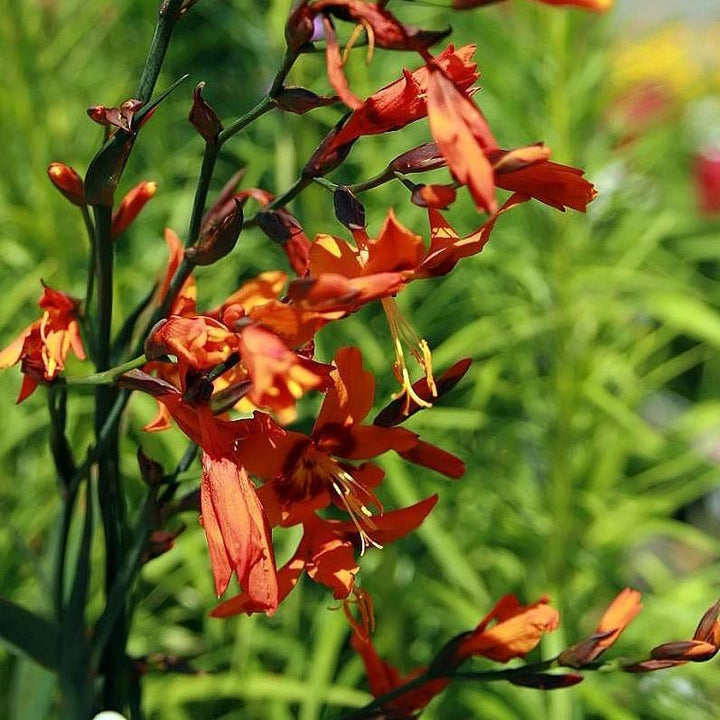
{"points": [[707, 181], [43, 346]]}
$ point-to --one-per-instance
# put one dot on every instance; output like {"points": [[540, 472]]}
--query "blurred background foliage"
{"points": [[590, 420]]}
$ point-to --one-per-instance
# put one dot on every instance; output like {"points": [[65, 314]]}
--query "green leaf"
{"points": [[26, 633]]}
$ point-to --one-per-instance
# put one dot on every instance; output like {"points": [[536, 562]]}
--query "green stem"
{"points": [[266, 103], [201, 193], [107, 377], [167, 17], [89, 227]]}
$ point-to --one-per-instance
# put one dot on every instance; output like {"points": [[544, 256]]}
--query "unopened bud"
{"points": [[300, 26], [547, 681], [203, 118], [300, 100], [68, 182], [131, 205], [326, 158], [151, 470], [419, 159], [218, 239], [348, 209]]}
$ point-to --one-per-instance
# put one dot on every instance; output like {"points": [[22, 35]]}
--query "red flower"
{"points": [[43, 346], [707, 181], [382, 677], [235, 525]]}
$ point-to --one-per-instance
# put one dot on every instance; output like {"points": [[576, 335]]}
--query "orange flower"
{"points": [[43, 346], [235, 525], [327, 550], [382, 28], [403, 101], [382, 677], [279, 376], [185, 301], [463, 137], [200, 342], [615, 619], [516, 631], [307, 473], [131, 205]]}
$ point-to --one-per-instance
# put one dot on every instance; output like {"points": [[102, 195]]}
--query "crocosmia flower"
{"points": [[43, 346]]}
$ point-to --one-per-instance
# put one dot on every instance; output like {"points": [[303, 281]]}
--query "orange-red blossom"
{"points": [[510, 630], [43, 346]]}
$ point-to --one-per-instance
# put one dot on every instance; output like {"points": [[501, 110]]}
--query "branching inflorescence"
{"points": [[230, 377]]}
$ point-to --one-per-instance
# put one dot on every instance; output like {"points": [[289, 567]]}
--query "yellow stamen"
{"points": [[356, 33], [403, 334]]}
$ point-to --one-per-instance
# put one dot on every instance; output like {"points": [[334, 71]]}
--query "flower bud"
{"points": [[68, 182], [348, 209], [131, 205], [203, 118], [300, 26], [326, 158], [300, 100], [151, 470], [419, 159], [218, 239]]}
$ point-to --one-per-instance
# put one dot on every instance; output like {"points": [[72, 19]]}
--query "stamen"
{"points": [[356, 33], [403, 334]]}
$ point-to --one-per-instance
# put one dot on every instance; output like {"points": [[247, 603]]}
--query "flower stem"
{"points": [[107, 377]]}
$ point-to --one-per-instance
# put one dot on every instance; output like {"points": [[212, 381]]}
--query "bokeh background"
{"points": [[590, 420]]}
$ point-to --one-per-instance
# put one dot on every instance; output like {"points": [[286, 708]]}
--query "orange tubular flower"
{"points": [[615, 619], [306, 473], [43, 346], [517, 630]]}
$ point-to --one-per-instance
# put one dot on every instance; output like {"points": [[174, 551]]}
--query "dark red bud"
{"points": [[151, 471], [547, 681], [419, 159], [218, 239], [327, 158], [68, 182], [348, 209], [299, 100], [203, 118], [300, 27]]}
